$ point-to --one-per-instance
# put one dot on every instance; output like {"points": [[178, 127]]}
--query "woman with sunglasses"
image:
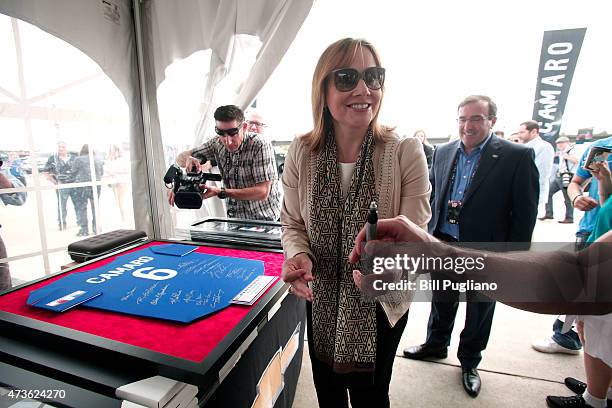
{"points": [[332, 174]]}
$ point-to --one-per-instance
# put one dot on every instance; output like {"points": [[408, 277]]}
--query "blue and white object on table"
{"points": [[60, 301], [180, 287]]}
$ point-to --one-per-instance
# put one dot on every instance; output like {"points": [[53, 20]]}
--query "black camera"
{"points": [[186, 187]]}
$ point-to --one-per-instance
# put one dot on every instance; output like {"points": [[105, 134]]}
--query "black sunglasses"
{"points": [[346, 79], [229, 132]]}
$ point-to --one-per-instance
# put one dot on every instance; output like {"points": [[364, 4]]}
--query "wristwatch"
{"points": [[222, 194]]}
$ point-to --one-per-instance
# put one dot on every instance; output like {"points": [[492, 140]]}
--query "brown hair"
{"points": [[530, 125], [420, 131], [338, 55], [480, 98]]}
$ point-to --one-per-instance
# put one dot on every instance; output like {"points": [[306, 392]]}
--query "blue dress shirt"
{"points": [[466, 166]]}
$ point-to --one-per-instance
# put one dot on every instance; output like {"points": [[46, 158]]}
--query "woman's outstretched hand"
{"points": [[297, 271]]}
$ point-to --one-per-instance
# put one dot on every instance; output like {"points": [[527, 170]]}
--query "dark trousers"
{"points": [[478, 320], [365, 390], [83, 197], [555, 186], [62, 200]]}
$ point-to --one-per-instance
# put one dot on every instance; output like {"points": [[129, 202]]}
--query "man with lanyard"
{"points": [[484, 189], [247, 166]]}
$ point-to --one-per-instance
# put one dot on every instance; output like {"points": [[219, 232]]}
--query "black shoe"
{"points": [[424, 351], [579, 387], [546, 217], [566, 221], [471, 381], [575, 385], [566, 402]]}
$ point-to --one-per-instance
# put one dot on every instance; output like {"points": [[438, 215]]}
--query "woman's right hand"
{"points": [[297, 271]]}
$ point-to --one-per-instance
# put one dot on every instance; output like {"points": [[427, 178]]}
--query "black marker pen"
{"points": [[371, 222]]}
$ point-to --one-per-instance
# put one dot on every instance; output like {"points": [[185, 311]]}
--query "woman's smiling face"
{"points": [[355, 108]]}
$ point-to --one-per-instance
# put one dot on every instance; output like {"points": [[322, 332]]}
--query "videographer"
{"points": [[247, 165], [8, 180]]}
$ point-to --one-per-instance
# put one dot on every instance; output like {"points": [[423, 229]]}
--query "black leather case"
{"points": [[103, 244]]}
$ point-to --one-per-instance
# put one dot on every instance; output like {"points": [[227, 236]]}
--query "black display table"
{"points": [[40, 355]]}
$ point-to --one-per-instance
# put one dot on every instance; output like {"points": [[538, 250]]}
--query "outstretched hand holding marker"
{"points": [[398, 229], [542, 282]]}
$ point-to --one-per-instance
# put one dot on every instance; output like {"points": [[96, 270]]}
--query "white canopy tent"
{"points": [[135, 42]]}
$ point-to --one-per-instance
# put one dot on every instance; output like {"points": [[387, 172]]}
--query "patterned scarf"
{"points": [[344, 326]]}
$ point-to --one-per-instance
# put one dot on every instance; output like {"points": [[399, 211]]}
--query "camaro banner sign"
{"points": [[558, 58], [167, 282]]}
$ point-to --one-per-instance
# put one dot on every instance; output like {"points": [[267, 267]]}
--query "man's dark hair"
{"points": [[229, 113], [530, 125], [478, 98]]}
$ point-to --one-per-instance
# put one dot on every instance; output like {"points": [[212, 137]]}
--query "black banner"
{"points": [[558, 58]]}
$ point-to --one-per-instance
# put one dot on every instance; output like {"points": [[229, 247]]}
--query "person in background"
{"points": [[257, 125], [255, 122], [581, 201], [568, 342], [595, 331], [332, 175], [85, 196], [8, 180], [499, 133], [58, 171], [16, 167], [514, 138], [117, 168], [567, 164], [427, 148]]}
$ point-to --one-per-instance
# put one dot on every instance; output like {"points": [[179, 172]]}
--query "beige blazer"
{"points": [[402, 185]]}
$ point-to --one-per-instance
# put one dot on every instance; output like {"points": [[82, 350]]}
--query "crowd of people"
{"points": [[480, 188], [63, 169]]}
